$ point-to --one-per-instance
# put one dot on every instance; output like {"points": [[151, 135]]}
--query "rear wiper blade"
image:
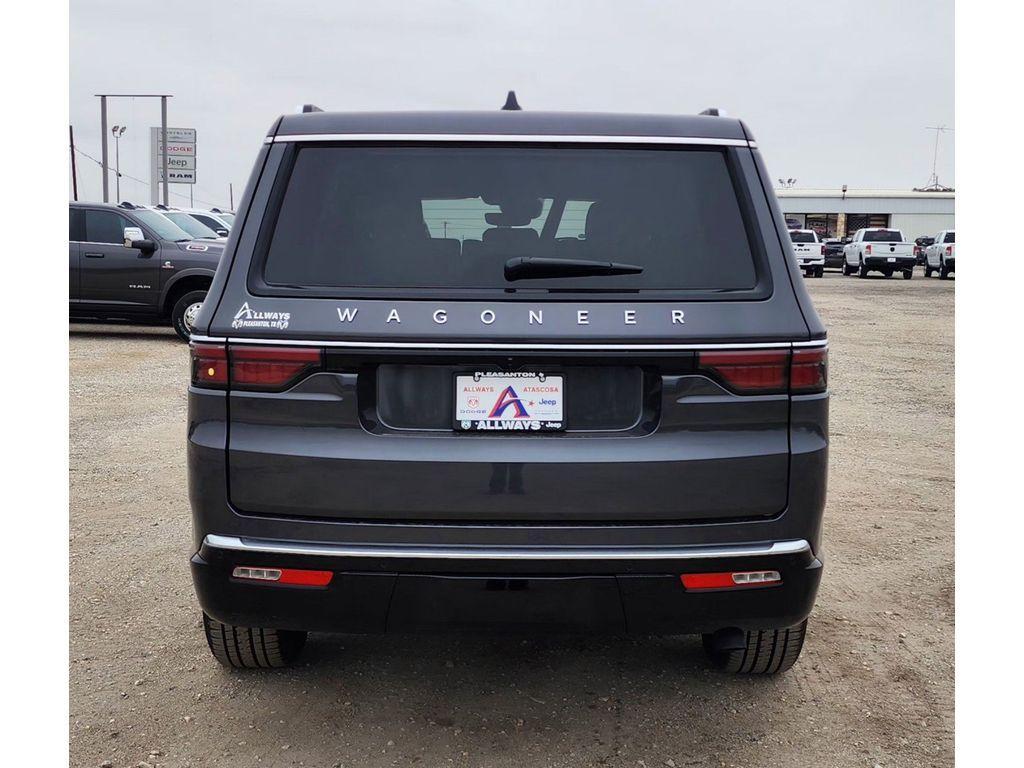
{"points": [[536, 267]]}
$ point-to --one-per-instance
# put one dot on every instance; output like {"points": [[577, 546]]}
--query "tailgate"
{"points": [[644, 439]]}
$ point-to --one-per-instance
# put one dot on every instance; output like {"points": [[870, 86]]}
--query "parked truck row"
{"points": [[875, 249]]}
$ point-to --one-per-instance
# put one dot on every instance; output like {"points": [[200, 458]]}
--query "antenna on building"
{"points": [[933, 180], [511, 103]]}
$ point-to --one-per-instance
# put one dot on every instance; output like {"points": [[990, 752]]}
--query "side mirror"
{"points": [[133, 238], [132, 234], [222, 232]]}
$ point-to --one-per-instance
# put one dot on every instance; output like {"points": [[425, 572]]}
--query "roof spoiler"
{"points": [[714, 112], [306, 108]]}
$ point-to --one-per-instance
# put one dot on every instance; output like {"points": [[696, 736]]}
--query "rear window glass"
{"points": [[883, 236], [950, 237], [451, 217], [802, 237]]}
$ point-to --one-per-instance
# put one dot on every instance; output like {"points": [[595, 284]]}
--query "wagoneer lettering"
{"points": [[572, 351]]}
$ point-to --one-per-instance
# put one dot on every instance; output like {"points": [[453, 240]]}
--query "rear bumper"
{"points": [[408, 588], [883, 262]]}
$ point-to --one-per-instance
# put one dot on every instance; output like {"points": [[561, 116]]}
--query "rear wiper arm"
{"points": [[536, 267]]}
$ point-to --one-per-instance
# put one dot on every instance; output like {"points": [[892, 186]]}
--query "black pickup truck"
{"points": [[131, 263]]}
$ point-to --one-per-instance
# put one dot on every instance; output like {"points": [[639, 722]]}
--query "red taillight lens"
{"points": [[271, 367], [809, 371], [917, 250], [949, 251], [209, 365], [251, 368], [823, 250], [802, 371], [730, 580], [747, 372], [867, 249], [294, 576]]}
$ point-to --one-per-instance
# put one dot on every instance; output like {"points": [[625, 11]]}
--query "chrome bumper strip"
{"points": [[473, 552]]}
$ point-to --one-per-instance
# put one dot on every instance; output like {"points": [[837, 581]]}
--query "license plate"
{"points": [[892, 258], [514, 401]]}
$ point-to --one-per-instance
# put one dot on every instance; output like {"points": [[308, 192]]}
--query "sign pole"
{"points": [[103, 155], [163, 138], [231, 196]]}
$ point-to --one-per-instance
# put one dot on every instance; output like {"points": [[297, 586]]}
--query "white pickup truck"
{"points": [[879, 249], [940, 256], [809, 252]]}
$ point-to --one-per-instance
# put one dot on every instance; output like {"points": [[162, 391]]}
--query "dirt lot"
{"points": [[874, 685]]}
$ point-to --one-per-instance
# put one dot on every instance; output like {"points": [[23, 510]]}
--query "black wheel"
{"points": [[185, 311], [908, 274], [927, 270], [848, 270], [943, 272], [863, 271], [819, 272], [252, 647], [756, 652], [887, 273]]}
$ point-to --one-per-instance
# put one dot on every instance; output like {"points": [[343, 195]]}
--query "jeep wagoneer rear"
{"points": [[493, 371]]}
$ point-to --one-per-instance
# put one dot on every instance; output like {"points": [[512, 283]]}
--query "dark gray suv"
{"points": [[510, 370], [132, 263]]}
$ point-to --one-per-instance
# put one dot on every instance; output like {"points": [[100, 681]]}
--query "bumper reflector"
{"points": [[730, 579], [292, 576]]}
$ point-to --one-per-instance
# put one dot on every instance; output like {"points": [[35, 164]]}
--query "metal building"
{"points": [[837, 213]]}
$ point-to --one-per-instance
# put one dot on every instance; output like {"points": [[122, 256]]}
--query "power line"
{"points": [[143, 181]]}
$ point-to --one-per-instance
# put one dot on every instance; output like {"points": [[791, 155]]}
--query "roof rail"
{"points": [[305, 108], [511, 103], [714, 112]]}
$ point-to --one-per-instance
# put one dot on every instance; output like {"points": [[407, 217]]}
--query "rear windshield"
{"points": [[950, 237], [883, 236], [452, 217], [802, 237]]}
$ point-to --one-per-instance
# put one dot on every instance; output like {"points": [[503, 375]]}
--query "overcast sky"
{"points": [[836, 92]]}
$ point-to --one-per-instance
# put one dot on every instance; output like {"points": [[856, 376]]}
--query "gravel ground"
{"points": [[874, 685]]}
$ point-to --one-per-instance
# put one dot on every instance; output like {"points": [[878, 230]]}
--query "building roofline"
{"points": [[862, 193]]}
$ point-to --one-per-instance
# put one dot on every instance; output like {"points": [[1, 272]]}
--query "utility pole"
{"points": [[231, 196], [74, 169]]}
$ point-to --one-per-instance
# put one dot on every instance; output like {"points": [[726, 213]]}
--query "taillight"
{"points": [[209, 365], [271, 367], [949, 251], [802, 371], [867, 249], [748, 372], [917, 250], [823, 250], [808, 373], [216, 366]]}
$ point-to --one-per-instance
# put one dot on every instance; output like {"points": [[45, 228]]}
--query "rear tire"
{"points": [[184, 311], [765, 652], [863, 271], [927, 270], [819, 272], [847, 270], [252, 647], [943, 272], [908, 274]]}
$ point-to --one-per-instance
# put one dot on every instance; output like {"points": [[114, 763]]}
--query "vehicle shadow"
{"points": [[529, 699], [109, 330]]}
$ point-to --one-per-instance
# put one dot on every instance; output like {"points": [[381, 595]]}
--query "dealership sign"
{"points": [[180, 167]]}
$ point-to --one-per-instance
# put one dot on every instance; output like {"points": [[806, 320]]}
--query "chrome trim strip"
{"points": [[812, 343], [474, 552], [207, 339], [503, 346], [511, 137]]}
